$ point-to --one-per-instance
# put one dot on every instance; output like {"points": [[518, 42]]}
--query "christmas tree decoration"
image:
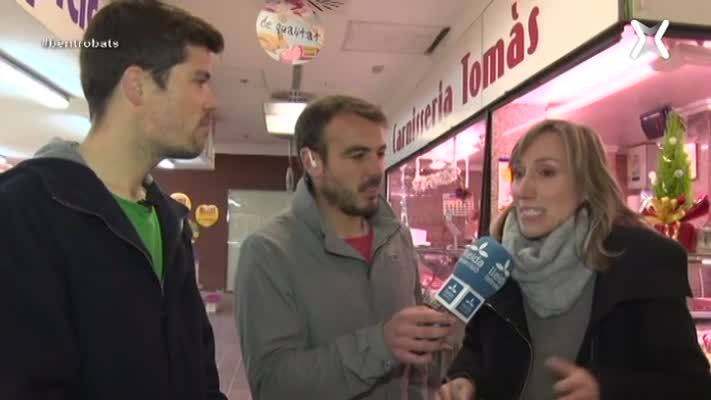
{"points": [[671, 209], [674, 179]]}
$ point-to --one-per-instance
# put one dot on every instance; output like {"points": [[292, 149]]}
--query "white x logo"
{"points": [[644, 31]]}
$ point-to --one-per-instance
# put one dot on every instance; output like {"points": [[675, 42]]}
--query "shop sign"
{"points": [[507, 44], [67, 19]]}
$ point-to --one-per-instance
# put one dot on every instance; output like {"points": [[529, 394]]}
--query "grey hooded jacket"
{"points": [[311, 310]]}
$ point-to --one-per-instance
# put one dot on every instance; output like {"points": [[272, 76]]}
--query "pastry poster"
{"points": [[289, 31]]}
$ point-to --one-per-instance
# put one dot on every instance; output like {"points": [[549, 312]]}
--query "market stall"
{"points": [[524, 61]]}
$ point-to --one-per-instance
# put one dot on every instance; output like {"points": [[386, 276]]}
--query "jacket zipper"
{"points": [[379, 249], [115, 232], [530, 349], [592, 348]]}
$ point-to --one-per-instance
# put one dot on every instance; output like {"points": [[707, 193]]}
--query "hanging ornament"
{"points": [[672, 140], [289, 31], [678, 173], [323, 5]]}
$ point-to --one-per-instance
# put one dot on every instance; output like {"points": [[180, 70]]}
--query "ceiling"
{"points": [[246, 76]]}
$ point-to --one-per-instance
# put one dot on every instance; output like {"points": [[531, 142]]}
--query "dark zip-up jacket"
{"points": [[640, 342], [82, 314]]}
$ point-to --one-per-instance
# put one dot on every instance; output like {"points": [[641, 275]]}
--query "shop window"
{"points": [[247, 211], [437, 194], [610, 92], [613, 93]]}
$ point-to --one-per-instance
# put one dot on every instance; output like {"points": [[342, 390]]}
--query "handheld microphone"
{"points": [[480, 272]]}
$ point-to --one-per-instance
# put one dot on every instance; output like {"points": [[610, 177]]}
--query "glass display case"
{"points": [[438, 194], [612, 93], [615, 94]]}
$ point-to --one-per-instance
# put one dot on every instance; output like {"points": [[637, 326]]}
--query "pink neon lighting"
{"points": [[459, 147], [522, 126], [616, 84], [605, 73]]}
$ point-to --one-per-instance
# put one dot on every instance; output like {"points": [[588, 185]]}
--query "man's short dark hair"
{"points": [[310, 126], [150, 34]]}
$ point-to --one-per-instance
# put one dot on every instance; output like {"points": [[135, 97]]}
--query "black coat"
{"points": [[82, 314], [640, 342]]}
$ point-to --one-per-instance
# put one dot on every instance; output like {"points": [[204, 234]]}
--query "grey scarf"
{"points": [[550, 271]]}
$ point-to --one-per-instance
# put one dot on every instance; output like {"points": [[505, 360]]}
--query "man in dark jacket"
{"points": [[98, 297]]}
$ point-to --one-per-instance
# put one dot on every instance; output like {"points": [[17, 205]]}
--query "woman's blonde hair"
{"points": [[601, 194]]}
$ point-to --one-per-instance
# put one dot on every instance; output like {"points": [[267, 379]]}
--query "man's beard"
{"points": [[187, 152], [346, 200]]}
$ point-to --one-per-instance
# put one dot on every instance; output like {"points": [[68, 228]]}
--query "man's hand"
{"points": [[575, 383], [458, 389], [415, 332]]}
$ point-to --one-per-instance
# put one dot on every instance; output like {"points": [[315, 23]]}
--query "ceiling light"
{"points": [[281, 117], [460, 147], [603, 74], [29, 85], [599, 71], [614, 84], [166, 164]]}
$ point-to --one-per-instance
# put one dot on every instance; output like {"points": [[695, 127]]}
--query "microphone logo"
{"points": [[643, 32], [475, 256], [480, 249], [504, 269]]}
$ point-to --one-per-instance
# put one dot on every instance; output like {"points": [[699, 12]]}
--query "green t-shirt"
{"points": [[145, 221]]}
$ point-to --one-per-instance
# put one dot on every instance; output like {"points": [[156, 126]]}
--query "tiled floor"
{"points": [[227, 352]]}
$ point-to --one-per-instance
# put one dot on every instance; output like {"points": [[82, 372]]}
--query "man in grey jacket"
{"points": [[327, 293]]}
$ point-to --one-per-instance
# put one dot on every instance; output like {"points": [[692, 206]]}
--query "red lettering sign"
{"points": [[476, 77], [424, 118]]}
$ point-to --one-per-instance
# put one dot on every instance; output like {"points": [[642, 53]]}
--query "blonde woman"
{"points": [[596, 305]]}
